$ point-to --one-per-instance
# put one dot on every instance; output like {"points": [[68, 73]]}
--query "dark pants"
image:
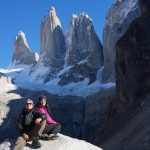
{"points": [[52, 128], [36, 131]]}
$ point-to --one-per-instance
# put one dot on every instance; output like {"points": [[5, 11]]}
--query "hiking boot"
{"points": [[44, 137], [36, 143], [52, 136]]}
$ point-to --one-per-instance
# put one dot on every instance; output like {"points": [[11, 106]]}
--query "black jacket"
{"points": [[26, 121]]}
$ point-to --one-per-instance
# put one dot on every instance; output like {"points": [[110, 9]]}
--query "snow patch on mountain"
{"points": [[22, 78], [23, 36], [120, 9], [6, 82]]}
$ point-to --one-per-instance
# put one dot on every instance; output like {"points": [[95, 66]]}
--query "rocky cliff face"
{"points": [[84, 51], [22, 54], [52, 42], [96, 112], [118, 19], [82, 42], [133, 61], [145, 6], [128, 120]]}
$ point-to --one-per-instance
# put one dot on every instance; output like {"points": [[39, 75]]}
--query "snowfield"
{"points": [[23, 79]]}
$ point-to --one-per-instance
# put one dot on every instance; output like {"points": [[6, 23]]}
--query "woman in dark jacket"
{"points": [[30, 124], [52, 127]]}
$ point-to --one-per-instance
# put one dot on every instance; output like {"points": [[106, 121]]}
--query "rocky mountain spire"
{"points": [[22, 53], [52, 43], [82, 42], [84, 51]]}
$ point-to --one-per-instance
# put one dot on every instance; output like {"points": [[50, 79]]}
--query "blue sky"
{"points": [[26, 15]]}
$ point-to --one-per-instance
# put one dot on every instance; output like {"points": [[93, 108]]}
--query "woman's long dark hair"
{"points": [[47, 107], [39, 103]]}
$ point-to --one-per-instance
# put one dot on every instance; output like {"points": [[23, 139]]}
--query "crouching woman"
{"points": [[52, 127]]}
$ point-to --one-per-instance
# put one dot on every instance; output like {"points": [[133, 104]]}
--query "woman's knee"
{"points": [[43, 122], [58, 127]]}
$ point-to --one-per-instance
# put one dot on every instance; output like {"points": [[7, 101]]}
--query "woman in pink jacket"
{"points": [[52, 127]]}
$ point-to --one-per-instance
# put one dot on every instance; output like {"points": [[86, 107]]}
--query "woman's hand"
{"points": [[38, 121], [25, 136]]}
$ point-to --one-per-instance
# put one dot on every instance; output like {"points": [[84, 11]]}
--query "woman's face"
{"points": [[43, 102], [29, 105]]}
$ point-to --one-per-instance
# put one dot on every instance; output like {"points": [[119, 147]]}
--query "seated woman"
{"points": [[31, 124], [52, 127]]}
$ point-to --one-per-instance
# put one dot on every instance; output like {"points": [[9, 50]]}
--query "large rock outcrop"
{"points": [[84, 51], [52, 41], [63, 142], [118, 19], [128, 122], [133, 61], [22, 54]]}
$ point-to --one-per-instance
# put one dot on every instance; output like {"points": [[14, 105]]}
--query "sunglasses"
{"points": [[29, 103]]}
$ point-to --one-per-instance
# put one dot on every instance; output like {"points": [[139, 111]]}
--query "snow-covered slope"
{"points": [[5, 82], [62, 143], [22, 78]]}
